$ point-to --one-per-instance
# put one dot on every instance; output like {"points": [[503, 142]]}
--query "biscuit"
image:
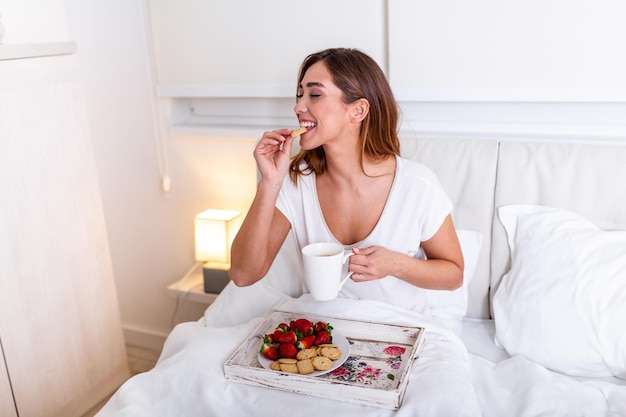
{"points": [[305, 366], [287, 360], [275, 366], [321, 363], [330, 352], [298, 132], [289, 367], [306, 354]]}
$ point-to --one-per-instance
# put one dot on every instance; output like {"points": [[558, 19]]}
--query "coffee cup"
{"points": [[324, 267]]}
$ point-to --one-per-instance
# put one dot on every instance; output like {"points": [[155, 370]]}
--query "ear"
{"points": [[360, 109]]}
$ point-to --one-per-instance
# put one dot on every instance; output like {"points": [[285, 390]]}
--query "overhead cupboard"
{"points": [[450, 50], [253, 49]]}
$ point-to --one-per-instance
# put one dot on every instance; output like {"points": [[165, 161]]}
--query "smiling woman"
{"points": [[349, 159]]}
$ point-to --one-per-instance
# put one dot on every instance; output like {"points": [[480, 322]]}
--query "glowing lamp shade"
{"points": [[214, 233]]}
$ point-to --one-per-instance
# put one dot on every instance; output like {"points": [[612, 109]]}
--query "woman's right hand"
{"points": [[273, 153]]}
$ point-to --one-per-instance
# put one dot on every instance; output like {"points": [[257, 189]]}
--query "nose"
{"points": [[299, 107]]}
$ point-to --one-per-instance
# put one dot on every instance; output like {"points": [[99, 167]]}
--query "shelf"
{"points": [[35, 50], [191, 288]]}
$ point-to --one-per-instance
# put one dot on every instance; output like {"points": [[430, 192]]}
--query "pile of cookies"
{"points": [[318, 358]]}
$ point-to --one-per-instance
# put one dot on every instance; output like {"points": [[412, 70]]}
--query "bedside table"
{"points": [[191, 287]]}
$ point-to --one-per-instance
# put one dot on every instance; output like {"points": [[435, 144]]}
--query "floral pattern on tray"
{"points": [[373, 364]]}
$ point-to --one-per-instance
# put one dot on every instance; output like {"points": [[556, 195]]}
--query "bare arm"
{"points": [[443, 270], [264, 229]]}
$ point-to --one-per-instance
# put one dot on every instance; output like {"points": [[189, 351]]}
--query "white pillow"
{"points": [[563, 301], [453, 304]]}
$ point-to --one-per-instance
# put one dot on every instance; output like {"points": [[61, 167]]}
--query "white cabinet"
{"points": [[59, 320], [7, 406], [242, 48], [522, 51]]}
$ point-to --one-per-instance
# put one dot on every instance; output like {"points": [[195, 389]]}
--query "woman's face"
{"points": [[320, 108]]}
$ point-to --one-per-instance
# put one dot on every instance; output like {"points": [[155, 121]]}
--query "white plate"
{"points": [[338, 339]]}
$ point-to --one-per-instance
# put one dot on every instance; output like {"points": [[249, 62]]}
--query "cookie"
{"points": [[275, 366], [321, 363], [305, 366], [298, 132], [306, 354], [331, 353], [287, 360], [289, 367]]}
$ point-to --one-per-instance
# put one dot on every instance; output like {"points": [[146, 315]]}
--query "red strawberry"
{"points": [[282, 326], [287, 350], [320, 325], [288, 337], [304, 326], [269, 351], [322, 337], [277, 334], [306, 342]]}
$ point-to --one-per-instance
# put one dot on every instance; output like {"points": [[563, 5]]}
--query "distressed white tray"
{"points": [[376, 373]]}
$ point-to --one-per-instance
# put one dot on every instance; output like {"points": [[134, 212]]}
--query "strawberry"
{"points": [[288, 337], [277, 333], [306, 342], [283, 327], [320, 325], [287, 350], [322, 337], [305, 326], [269, 351]]}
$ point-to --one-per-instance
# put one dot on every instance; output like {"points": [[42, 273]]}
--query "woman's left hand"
{"points": [[372, 263]]}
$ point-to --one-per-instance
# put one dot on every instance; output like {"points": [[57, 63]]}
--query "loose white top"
{"points": [[415, 209]]}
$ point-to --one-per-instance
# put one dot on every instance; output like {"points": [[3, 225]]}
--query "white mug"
{"points": [[323, 269]]}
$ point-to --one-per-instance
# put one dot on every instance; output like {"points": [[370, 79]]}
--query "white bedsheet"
{"points": [[515, 386], [445, 381], [189, 377]]}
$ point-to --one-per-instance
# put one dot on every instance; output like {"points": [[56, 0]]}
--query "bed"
{"points": [[537, 329]]}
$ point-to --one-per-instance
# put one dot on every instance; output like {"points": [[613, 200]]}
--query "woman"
{"points": [[349, 185]]}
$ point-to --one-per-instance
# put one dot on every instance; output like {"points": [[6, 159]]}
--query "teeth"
{"points": [[308, 124]]}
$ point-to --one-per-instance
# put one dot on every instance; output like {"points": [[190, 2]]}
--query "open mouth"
{"points": [[308, 125]]}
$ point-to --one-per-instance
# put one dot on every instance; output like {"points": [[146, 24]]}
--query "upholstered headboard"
{"points": [[482, 175], [467, 170], [588, 179]]}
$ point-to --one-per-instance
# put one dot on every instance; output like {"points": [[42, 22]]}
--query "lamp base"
{"points": [[216, 277]]}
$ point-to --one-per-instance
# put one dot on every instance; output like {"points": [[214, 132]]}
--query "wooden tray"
{"points": [[376, 373]]}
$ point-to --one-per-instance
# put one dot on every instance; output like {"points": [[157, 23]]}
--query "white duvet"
{"points": [[445, 380]]}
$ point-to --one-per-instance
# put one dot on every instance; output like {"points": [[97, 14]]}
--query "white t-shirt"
{"points": [[415, 209]]}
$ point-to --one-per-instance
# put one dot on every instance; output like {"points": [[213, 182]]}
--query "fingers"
{"points": [[275, 141], [361, 264], [270, 142], [369, 263]]}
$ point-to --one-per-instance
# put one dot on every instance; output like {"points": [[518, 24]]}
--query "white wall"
{"points": [[150, 232]]}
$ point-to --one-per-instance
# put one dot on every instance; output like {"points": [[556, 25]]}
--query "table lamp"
{"points": [[214, 233]]}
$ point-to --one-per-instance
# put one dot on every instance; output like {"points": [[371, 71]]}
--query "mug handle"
{"points": [[349, 274]]}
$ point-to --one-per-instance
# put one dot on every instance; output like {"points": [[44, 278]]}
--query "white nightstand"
{"points": [[191, 287]]}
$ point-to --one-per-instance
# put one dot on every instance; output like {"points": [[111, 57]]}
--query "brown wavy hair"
{"points": [[358, 76]]}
